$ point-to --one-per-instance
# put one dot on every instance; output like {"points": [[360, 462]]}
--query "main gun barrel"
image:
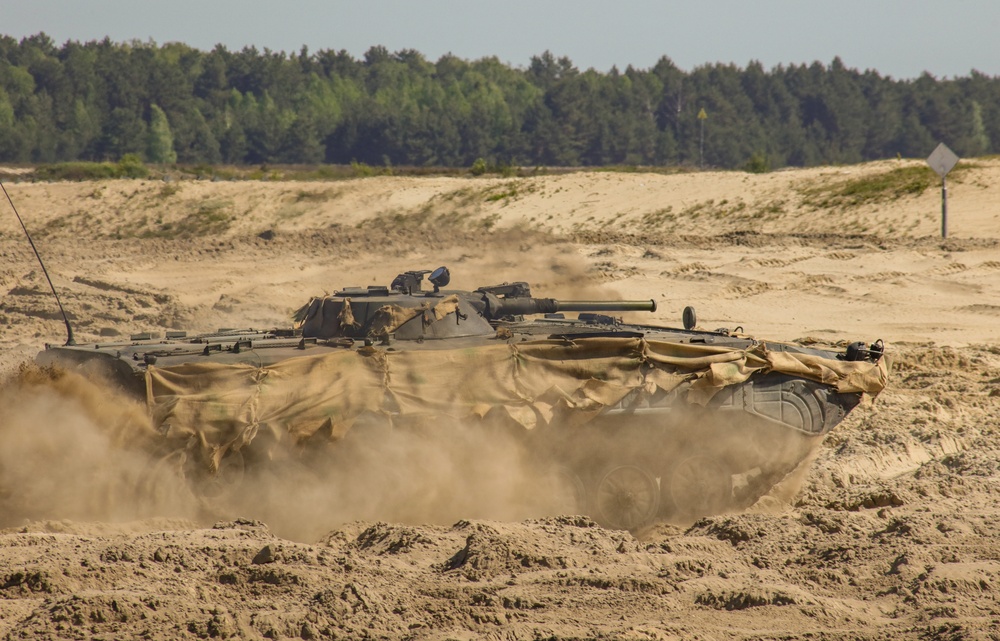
{"points": [[522, 306], [606, 305]]}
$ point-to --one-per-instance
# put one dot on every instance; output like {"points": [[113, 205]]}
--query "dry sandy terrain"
{"points": [[891, 531]]}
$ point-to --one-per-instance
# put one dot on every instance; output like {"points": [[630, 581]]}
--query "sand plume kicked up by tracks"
{"points": [[437, 474], [72, 449], [76, 450]]}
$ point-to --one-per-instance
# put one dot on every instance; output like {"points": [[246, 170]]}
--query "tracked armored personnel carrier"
{"points": [[639, 421]]}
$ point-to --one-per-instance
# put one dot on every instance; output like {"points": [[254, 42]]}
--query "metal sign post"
{"points": [[942, 160], [944, 207], [702, 116]]}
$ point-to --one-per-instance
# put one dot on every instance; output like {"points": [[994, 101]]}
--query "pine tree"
{"points": [[160, 142]]}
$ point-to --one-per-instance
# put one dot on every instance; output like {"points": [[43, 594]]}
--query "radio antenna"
{"points": [[69, 328]]}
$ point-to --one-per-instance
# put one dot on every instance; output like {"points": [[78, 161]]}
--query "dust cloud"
{"points": [[72, 449], [434, 474], [444, 471]]}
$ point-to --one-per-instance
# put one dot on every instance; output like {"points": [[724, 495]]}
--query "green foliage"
{"points": [[305, 196], [510, 190], [364, 170], [502, 195], [478, 168], [209, 218], [130, 166], [980, 141], [887, 186], [97, 101], [160, 144], [169, 189], [76, 171], [757, 164]]}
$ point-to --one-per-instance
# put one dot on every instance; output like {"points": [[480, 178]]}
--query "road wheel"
{"points": [[696, 485], [625, 497], [567, 494]]}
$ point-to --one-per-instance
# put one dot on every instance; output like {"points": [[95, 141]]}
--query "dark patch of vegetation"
{"points": [[480, 167], [646, 169], [364, 170], [757, 164], [169, 189], [172, 103], [887, 186], [508, 191], [130, 166], [208, 219], [304, 196]]}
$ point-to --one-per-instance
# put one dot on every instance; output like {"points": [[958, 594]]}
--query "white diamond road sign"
{"points": [[942, 160]]}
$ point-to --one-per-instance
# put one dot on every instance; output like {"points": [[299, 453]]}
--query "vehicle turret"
{"points": [[408, 312]]}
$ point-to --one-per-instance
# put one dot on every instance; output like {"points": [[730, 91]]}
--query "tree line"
{"points": [[103, 100]]}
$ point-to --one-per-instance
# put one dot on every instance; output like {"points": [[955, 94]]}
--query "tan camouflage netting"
{"points": [[533, 382]]}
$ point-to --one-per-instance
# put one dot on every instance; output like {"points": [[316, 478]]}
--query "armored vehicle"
{"points": [[639, 421]]}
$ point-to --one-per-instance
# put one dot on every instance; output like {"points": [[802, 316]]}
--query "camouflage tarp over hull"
{"points": [[534, 382]]}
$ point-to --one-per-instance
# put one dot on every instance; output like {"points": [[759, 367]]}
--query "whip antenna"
{"points": [[69, 328]]}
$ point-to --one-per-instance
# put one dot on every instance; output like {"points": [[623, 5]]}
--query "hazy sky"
{"points": [[900, 38]]}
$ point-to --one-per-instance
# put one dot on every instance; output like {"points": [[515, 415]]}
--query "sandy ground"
{"points": [[890, 532]]}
